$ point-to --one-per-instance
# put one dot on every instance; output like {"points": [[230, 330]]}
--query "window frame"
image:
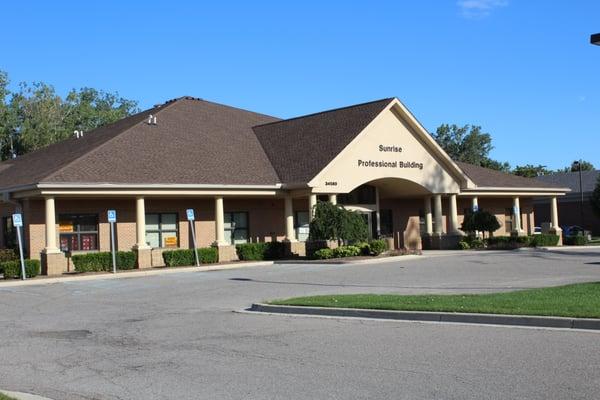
{"points": [[160, 230], [231, 239], [78, 232]]}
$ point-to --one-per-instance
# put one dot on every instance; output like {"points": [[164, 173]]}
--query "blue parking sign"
{"points": [[17, 220], [190, 214], [112, 215]]}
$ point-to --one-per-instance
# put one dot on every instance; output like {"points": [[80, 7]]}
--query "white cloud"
{"points": [[479, 8]]}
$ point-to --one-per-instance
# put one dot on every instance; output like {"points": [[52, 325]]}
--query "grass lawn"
{"points": [[5, 397], [578, 300]]}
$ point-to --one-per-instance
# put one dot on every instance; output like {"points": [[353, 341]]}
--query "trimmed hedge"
{"points": [[508, 242], [12, 269], [323, 254], [378, 246], [260, 251], [102, 261], [8, 255], [578, 240], [186, 257], [346, 251], [544, 240]]}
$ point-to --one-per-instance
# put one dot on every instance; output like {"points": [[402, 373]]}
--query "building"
{"points": [[250, 177], [570, 205]]}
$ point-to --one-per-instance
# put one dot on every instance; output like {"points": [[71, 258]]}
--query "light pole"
{"points": [[595, 39], [578, 165]]}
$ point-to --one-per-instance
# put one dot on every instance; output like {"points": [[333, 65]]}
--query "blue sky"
{"points": [[522, 69]]}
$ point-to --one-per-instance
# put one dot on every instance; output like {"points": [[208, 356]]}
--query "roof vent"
{"points": [[78, 134], [152, 119]]}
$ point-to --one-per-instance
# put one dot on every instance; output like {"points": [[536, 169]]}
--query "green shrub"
{"points": [[102, 261], [186, 257], [12, 269], [544, 240], [260, 251], [334, 222], [346, 251], [377, 246], [323, 254], [8, 255], [464, 245], [365, 248], [577, 240]]}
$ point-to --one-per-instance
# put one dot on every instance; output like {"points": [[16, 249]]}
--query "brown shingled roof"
{"points": [[485, 177], [194, 141], [299, 148]]}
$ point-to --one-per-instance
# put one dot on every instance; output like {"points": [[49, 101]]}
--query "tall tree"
{"points": [[468, 144], [531, 171], [574, 167], [35, 115]]}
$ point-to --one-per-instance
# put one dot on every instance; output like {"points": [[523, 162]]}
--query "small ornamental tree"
{"points": [[480, 220], [334, 222], [595, 199]]}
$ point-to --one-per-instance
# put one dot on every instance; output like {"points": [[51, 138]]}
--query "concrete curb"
{"points": [[23, 396], [342, 261], [489, 319], [132, 274]]}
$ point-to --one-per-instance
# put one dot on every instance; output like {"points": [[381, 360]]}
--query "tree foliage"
{"points": [[574, 167], [334, 222], [531, 171], [480, 220], [595, 199], [468, 144], [35, 116]]}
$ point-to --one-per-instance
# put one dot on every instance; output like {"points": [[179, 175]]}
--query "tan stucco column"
{"points": [[377, 213], [140, 223], [333, 198], [312, 202], [144, 252], [428, 217], [53, 260], [475, 207], [51, 243], [453, 228], [219, 222], [437, 214], [554, 219], [517, 228], [290, 233], [474, 203]]}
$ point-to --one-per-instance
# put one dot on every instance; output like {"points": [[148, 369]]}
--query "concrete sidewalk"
{"points": [[136, 273]]}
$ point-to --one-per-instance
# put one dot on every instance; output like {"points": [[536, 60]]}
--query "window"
{"points": [[386, 223], [78, 232], [302, 225], [236, 227], [10, 234], [508, 219], [161, 230]]}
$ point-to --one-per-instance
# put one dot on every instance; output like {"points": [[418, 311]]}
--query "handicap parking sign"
{"points": [[112, 215], [17, 220], [190, 214]]}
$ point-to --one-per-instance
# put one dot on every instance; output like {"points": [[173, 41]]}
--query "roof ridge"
{"points": [[325, 111], [224, 105], [160, 108]]}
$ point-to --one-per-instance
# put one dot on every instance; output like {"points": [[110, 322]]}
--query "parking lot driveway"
{"points": [[177, 336]]}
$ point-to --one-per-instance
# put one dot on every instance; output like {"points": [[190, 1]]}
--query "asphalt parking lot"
{"points": [[178, 336]]}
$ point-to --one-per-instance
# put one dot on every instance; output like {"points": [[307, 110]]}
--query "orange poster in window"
{"points": [[65, 228], [171, 241]]}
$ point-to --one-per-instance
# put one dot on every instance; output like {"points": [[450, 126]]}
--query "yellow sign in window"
{"points": [[170, 241]]}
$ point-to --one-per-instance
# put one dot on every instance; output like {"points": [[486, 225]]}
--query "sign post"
{"points": [[190, 217], [112, 218], [17, 220]]}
